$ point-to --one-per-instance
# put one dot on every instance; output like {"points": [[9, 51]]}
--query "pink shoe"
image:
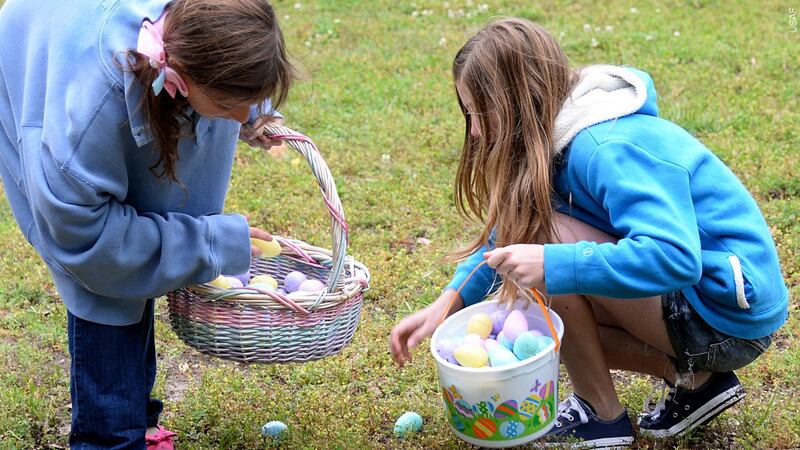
{"points": [[161, 440]]}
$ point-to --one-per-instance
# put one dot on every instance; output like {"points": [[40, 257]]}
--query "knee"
{"points": [[570, 230]]}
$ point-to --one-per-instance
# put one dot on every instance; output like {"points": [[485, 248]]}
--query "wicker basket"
{"points": [[252, 325]]}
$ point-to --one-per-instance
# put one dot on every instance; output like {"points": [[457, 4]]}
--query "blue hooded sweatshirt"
{"points": [[75, 158], [683, 220]]}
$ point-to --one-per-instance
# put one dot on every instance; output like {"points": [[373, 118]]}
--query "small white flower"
{"points": [[658, 10], [297, 5], [308, 43], [427, 12], [561, 34], [595, 43], [442, 42], [649, 37], [286, 17], [609, 28], [386, 157], [634, 10], [414, 13], [337, 20], [676, 34], [483, 7], [587, 28]]}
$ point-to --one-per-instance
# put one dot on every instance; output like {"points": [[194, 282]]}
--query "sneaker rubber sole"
{"points": [[705, 414], [604, 443]]}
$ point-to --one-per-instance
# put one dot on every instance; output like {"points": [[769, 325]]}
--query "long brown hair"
{"points": [[518, 78], [228, 47]]}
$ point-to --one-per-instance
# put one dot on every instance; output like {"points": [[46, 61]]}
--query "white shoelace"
{"points": [[571, 404], [667, 393]]}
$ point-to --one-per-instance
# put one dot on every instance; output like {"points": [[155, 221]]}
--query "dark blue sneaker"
{"points": [[577, 426], [682, 410]]}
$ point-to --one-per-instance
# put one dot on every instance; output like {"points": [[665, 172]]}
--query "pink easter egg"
{"points": [[236, 283], [473, 339], [498, 318], [515, 324], [293, 280], [311, 286], [536, 332], [243, 277], [489, 344]]}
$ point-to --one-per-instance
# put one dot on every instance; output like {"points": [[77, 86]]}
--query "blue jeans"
{"points": [[112, 373], [698, 346]]}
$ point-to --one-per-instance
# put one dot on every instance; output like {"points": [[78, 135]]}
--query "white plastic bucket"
{"points": [[500, 406]]}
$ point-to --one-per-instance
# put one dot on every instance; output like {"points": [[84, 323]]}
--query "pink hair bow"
{"points": [[151, 44]]}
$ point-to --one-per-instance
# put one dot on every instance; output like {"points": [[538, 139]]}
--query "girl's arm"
{"points": [[483, 282], [649, 202]]}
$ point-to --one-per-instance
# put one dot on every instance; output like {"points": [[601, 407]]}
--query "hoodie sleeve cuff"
{"points": [[230, 243], [560, 269]]}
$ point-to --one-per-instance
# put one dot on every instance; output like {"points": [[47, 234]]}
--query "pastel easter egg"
{"points": [[498, 319], [274, 429], [243, 277], [489, 344], [484, 428], [501, 356], [407, 424], [544, 342], [458, 424], [506, 410], [464, 408], [264, 279], [473, 339], [536, 332], [501, 338], [281, 291], [526, 346], [311, 286], [222, 282], [471, 355], [293, 280], [480, 324], [516, 323], [235, 282], [261, 286], [445, 347], [511, 429], [269, 249], [483, 408]]}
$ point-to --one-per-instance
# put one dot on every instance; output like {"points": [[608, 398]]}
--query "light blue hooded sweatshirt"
{"points": [[75, 160], [683, 220]]}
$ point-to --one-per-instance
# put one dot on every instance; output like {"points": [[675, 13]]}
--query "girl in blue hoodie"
{"points": [[653, 252], [120, 120]]}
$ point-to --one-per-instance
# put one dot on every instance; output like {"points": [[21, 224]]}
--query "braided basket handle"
{"points": [[339, 227]]}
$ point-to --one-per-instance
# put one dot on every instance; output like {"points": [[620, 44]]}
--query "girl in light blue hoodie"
{"points": [[119, 122], [656, 257]]}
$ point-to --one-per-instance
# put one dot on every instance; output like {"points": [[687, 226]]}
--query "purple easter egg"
{"points": [[311, 286], [243, 277], [473, 338], [293, 280], [452, 359], [498, 319], [445, 348]]}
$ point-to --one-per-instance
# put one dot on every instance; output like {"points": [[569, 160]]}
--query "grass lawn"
{"points": [[379, 102]]}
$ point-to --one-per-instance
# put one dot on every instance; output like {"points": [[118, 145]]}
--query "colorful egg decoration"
{"points": [[516, 323], [480, 324], [506, 410], [471, 355], [293, 280], [498, 319], [463, 408], [529, 406], [457, 423], [512, 429], [483, 408], [484, 428]]}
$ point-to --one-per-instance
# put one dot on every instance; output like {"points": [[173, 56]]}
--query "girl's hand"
{"points": [[416, 327], [522, 263], [258, 234], [254, 136]]}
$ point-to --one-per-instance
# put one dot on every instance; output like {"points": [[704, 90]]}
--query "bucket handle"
{"points": [[538, 296]]}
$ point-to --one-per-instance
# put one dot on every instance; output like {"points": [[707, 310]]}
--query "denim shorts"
{"points": [[701, 348]]}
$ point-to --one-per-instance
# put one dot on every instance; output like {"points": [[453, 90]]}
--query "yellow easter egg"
{"points": [[221, 282], [471, 355], [269, 249], [480, 324], [264, 279]]}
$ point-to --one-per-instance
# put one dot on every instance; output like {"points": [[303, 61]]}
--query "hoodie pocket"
{"points": [[723, 279]]}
